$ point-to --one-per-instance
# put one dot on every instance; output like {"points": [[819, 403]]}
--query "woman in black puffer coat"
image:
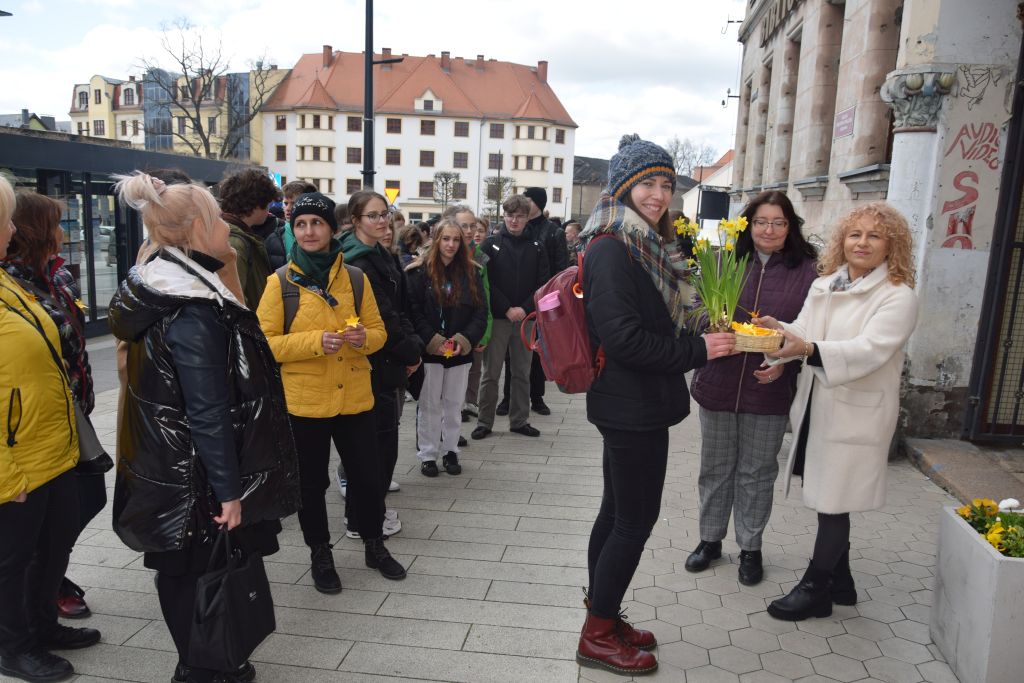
{"points": [[205, 440]]}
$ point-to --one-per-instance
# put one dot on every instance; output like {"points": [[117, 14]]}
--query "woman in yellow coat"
{"points": [[323, 353], [38, 493]]}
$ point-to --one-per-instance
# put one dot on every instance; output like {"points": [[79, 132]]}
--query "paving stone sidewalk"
{"points": [[497, 558]]}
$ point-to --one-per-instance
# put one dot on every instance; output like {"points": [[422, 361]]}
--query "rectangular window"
{"points": [[302, 120], [354, 155], [353, 185], [330, 186], [355, 124], [497, 130], [83, 127], [426, 188], [393, 157], [529, 163], [515, 162], [281, 121], [181, 125], [427, 127], [184, 92], [426, 158], [316, 154], [124, 128], [330, 154], [559, 165], [459, 191], [428, 105], [415, 216], [302, 153], [462, 129], [135, 126], [461, 160], [83, 100], [544, 132], [129, 97], [492, 192], [99, 127], [556, 195], [211, 125], [531, 132], [559, 136], [394, 125], [316, 120], [494, 162], [98, 96], [519, 132], [282, 153], [393, 185]]}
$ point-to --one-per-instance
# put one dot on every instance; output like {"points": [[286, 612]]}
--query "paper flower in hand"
{"points": [[352, 321]]}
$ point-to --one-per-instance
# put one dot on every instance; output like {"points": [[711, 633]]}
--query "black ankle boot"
{"points": [[378, 557], [36, 665], [810, 598], [842, 588], [700, 558], [751, 569], [325, 576]]}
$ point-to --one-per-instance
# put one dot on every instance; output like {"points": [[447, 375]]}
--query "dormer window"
{"points": [[428, 105], [83, 99], [129, 97]]}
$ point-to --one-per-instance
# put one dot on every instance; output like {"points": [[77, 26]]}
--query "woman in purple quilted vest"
{"points": [[744, 405]]}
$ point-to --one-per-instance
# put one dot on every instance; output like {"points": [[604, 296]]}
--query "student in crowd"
{"points": [[410, 244], [279, 243], [39, 508], [244, 197], [32, 260], [450, 311], [850, 335], [635, 312], [400, 356], [517, 265], [743, 402], [323, 352], [572, 237], [204, 421], [471, 408]]}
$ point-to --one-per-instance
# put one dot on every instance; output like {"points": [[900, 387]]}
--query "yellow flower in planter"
{"points": [[995, 536], [964, 511]]}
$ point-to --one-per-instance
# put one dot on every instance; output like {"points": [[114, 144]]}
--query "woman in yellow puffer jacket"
{"points": [[38, 493], [323, 353]]}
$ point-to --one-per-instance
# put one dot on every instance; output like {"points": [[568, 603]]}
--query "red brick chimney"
{"points": [[446, 62], [385, 53], [542, 70], [328, 55], [479, 62]]}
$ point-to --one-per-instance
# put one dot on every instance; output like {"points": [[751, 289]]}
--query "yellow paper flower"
{"points": [[752, 330], [352, 321], [448, 353], [81, 306]]}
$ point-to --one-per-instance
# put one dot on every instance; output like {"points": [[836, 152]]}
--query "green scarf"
{"points": [[316, 265]]}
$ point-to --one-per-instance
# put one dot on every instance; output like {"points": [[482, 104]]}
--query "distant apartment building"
{"points": [[479, 118], [108, 108]]}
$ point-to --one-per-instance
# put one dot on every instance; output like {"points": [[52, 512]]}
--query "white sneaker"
{"points": [[350, 533], [342, 483], [392, 525], [394, 486]]}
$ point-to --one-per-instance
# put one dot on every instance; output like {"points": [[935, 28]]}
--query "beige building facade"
{"points": [[108, 108], [915, 102]]}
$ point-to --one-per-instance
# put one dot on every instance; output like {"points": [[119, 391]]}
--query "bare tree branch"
{"points": [[689, 155], [498, 189], [444, 187]]}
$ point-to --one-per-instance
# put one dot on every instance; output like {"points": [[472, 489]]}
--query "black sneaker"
{"points": [[525, 430], [63, 637], [540, 407], [462, 441], [750, 572], [451, 463], [325, 576], [37, 665], [700, 558], [378, 557], [502, 408], [429, 469], [480, 432], [245, 674]]}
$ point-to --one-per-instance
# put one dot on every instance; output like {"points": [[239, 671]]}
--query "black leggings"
{"points": [[634, 466], [832, 541], [385, 412]]}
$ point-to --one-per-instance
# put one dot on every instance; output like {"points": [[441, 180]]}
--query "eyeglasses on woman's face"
{"points": [[375, 216], [763, 223]]}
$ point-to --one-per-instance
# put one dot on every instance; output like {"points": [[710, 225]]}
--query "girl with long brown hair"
{"points": [[449, 311]]}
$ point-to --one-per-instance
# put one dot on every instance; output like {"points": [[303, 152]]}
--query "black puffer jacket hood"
{"points": [[171, 464]]}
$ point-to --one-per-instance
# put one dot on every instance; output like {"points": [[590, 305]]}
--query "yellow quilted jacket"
{"points": [[37, 417], [315, 384]]}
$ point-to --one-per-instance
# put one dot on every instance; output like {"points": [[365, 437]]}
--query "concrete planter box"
{"points": [[978, 612]]}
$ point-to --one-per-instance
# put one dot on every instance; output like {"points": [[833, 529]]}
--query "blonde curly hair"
{"points": [[896, 230]]}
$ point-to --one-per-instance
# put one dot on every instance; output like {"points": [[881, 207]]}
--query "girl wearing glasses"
{"points": [[323, 354], [449, 309], [743, 403], [364, 248]]}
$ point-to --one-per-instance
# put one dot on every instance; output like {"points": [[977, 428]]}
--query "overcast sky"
{"points": [[657, 69]]}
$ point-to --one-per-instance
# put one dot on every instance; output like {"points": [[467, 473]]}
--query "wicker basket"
{"points": [[751, 344]]}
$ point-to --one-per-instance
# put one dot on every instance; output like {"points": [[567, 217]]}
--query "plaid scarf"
{"points": [[612, 217]]}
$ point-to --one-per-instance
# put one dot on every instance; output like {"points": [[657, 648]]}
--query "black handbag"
{"points": [[234, 611]]}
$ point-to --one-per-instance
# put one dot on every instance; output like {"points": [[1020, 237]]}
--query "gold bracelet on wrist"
{"points": [[808, 349]]}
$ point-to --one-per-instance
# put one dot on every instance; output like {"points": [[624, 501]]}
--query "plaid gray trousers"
{"points": [[738, 466]]}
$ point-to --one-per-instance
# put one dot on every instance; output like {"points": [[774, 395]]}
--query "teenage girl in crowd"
{"points": [[449, 309]]}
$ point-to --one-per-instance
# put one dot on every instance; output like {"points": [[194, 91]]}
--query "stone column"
{"points": [[787, 61], [754, 172], [742, 132]]}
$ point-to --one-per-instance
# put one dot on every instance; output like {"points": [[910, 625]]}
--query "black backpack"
{"points": [[290, 292]]}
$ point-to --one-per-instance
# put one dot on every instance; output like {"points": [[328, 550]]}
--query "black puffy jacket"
{"points": [[545, 231], [433, 321], [204, 416], [642, 386], [517, 265]]}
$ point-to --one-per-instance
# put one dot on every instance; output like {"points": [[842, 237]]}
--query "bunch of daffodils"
{"points": [[720, 275]]}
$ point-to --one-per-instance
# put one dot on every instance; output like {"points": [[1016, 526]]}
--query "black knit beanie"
{"points": [[636, 160], [316, 204], [538, 195]]}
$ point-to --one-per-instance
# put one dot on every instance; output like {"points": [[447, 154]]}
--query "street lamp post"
{"points": [[368, 64]]}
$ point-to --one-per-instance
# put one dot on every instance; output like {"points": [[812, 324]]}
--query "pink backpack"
{"points": [[559, 331]]}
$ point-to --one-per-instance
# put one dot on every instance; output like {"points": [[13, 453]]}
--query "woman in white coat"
{"points": [[850, 334]]}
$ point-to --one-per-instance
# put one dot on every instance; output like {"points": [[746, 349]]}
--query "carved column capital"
{"points": [[916, 95]]}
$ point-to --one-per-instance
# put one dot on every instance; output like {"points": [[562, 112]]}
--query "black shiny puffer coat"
{"points": [[204, 419]]}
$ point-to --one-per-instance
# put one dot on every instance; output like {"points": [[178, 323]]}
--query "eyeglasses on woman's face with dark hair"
{"points": [[769, 228]]}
